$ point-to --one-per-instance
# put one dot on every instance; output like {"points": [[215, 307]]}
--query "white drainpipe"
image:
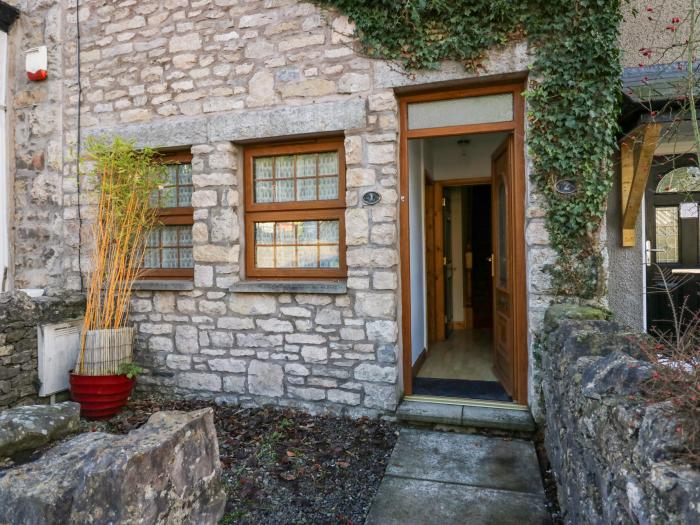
{"points": [[4, 165]]}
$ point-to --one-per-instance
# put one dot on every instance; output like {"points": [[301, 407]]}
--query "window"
{"points": [[680, 180], [169, 247], [295, 210]]}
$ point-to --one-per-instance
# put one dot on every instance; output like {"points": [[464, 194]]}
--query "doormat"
{"points": [[486, 390]]}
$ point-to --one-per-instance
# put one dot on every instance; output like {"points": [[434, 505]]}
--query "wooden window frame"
{"points": [[294, 211], [179, 216]]}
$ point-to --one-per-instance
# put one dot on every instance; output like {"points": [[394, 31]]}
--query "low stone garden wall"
{"points": [[612, 454], [19, 317]]}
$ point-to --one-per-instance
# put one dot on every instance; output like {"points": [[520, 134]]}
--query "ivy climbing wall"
{"points": [[572, 100]]}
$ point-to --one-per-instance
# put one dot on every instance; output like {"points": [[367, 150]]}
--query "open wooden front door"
{"points": [[502, 265]]}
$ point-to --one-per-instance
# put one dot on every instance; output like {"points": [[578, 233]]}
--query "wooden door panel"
{"points": [[503, 243]]}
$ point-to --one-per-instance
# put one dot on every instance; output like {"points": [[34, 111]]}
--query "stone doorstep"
{"points": [[517, 420]]}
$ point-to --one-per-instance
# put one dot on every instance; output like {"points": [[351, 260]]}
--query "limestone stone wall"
{"points": [[212, 76], [19, 317], [612, 454]]}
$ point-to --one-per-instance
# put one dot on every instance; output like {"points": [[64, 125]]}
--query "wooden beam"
{"points": [[626, 177], [643, 157]]}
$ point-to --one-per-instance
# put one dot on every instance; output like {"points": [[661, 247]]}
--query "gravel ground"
{"points": [[286, 467]]}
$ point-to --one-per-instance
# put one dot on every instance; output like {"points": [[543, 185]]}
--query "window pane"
{"points": [[297, 244], [289, 178], [461, 111], [169, 236], [186, 259], [264, 232], [264, 257], [680, 180], [306, 190], [666, 234], [170, 258], [286, 233], [308, 257], [285, 257], [329, 257], [329, 231], [306, 166], [151, 259], [284, 167], [284, 190], [263, 191], [185, 175], [263, 168], [502, 239], [328, 163], [168, 197], [308, 232], [328, 188]]}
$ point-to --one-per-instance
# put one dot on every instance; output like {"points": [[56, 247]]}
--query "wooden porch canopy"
{"points": [[636, 156], [651, 126]]}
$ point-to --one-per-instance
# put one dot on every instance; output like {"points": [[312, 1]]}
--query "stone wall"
{"points": [[20, 316], [611, 453], [212, 77]]}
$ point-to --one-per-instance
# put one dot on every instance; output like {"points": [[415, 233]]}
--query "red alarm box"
{"points": [[37, 63]]}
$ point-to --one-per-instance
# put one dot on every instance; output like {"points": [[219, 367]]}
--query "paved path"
{"points": [[446, 478]]}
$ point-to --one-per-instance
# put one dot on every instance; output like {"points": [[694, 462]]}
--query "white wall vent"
{"points": [[59, 345]]}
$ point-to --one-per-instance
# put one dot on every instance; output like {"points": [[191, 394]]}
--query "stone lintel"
{"points": [[288, 120], [237, 126], [314, 287], [164, 285]]}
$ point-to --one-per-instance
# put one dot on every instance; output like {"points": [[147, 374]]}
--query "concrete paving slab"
{"points": [[479, 461], [401, 501]]}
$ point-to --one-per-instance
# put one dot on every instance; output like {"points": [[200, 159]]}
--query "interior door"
{"points": [[447, 261], [502, 265], [673, 244]]}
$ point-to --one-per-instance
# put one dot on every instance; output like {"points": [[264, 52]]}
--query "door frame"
{"points": [[518, 199]]}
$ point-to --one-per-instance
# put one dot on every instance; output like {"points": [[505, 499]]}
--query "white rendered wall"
{"points": [[4, 184]]}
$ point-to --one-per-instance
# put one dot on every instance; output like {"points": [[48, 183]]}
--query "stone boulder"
{"points": [[25, 429], [165, 472]]}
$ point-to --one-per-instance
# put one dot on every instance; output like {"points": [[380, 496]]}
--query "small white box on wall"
{"points": [[59, 345], [37, 63]]}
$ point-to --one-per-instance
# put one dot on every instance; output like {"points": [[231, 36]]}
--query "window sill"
{"points": [[164, 285], [315, 287]]}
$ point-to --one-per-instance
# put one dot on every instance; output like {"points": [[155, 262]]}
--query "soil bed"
{"points": [[282, 466]]}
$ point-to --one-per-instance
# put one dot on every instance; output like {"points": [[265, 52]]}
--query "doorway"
{"points": [[673, 240], [462, 208]]}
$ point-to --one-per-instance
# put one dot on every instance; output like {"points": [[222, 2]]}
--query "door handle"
{"points": [[649, 251], [686, 271], [490, 259]]}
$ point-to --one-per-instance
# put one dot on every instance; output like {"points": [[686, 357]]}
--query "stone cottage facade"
{"points": [[213, 78]]}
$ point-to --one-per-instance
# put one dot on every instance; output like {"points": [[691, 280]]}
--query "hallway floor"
{"points": [[466, 354], [452, 478]]}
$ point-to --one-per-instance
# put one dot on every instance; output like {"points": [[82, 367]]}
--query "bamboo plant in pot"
{"points": [[104, 372]]}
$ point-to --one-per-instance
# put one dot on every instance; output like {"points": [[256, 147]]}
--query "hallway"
{"points": [[451, 478]]}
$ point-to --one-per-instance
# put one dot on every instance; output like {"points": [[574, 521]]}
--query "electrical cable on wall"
{"points": [[77, 160]]}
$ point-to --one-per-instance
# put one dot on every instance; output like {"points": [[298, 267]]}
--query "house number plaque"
{"points": [[371, 198]]}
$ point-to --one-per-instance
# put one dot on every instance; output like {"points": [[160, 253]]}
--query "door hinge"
{"points": [[444, 261], [444, 202]]}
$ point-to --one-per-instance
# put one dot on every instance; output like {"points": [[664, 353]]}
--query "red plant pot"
{"points": [[100, 397]]}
